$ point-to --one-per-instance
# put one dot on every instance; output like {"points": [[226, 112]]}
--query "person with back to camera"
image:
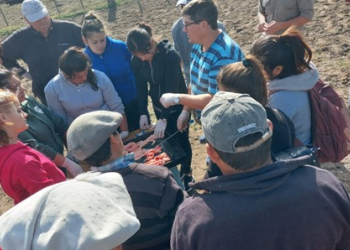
{"points": [[157, 65], [23, 170], [181, 43], [153, 190], [258, 204], [91, 212], [286, 60], [246, 77], [78, 89], [39, 45], [47, 131], [276, 16], [114, 59]]}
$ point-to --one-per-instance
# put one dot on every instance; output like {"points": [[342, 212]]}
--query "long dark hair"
{"points": [[139, 39], [288, 50], [244, 77], [74, 60]]}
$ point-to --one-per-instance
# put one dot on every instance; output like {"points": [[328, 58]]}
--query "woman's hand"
{"points": [[183, 120], [144, 122], [159, 130], [124, 134]]}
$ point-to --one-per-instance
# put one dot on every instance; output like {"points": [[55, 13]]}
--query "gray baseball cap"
{"points": [[90, 131], [182, 2], [229, 117], [33, 10]]}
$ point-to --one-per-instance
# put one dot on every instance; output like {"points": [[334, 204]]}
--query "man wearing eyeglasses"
{"points": [[212, 50], [181, 44]]}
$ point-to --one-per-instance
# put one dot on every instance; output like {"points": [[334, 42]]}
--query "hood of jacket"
{"points": [[259, 181], [301, 82]]}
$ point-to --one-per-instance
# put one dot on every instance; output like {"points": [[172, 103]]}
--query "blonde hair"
{"points": [[6, 100]]}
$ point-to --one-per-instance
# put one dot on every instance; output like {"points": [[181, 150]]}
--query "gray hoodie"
{"points": [[290, 95]]}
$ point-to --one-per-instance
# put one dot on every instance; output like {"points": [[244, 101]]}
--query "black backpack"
{"points": [[283, 130]]}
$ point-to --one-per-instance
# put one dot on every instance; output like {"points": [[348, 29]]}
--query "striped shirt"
{"points": [[206, 65]]}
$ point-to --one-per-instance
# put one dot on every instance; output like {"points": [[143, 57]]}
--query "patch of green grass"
{"points": [[8, 30]]}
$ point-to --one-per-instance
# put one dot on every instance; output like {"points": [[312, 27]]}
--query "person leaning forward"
{"points": [[39, 45], [156, 196], [258, 204]]}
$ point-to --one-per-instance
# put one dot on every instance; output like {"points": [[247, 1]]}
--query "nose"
{"points": [[184, 29], [25, 115]]}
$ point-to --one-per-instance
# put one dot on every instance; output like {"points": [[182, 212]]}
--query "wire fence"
{"points": [[10, 10]]}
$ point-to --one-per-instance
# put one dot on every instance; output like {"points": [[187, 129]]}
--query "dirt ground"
{"points": [[328, 36]]}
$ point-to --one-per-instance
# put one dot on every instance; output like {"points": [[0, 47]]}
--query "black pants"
{"points": [[181, 138], [132, 114]]}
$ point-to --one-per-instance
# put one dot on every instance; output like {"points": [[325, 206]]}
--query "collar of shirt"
{"points": [[117, 164]]}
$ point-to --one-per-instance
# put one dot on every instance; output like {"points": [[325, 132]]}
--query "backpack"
{"points": [[283, 136], [330, 123]]}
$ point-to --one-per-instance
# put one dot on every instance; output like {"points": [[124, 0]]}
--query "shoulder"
{"points": [[56, 80], [18, 34], [159, 173], [65, 24], [178, 25]]}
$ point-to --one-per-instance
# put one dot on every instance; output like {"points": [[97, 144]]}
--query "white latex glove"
{"points": [[160, 129], [72, 167], [182, 120], [168, 99], [144, 122], [124, 134]]}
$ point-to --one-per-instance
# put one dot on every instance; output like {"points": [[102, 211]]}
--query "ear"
{"points": [[277, 70], [212, 153]]}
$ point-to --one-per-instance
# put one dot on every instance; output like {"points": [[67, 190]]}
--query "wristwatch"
{"points": [[177, 99]]}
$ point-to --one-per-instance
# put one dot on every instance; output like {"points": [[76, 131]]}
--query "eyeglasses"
{"points": [[186, 25]]}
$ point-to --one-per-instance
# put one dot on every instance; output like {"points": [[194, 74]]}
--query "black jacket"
{"points": [[163, 74]]}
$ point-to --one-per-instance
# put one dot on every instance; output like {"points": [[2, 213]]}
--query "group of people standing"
{"points": [[94, 90]]}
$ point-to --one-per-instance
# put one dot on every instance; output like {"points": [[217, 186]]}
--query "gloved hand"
{"points": [[160, 129], [182, 120], [168, 99], [124, 134], [72, 167], [144, 122]]}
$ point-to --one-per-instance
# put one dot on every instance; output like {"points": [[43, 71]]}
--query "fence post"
{"points": [[2, 13], [58, 10]]}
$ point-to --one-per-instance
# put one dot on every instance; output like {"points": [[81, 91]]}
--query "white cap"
{"points": [[33, 10], [93, 211]]}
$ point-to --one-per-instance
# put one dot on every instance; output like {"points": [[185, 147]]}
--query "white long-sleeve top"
{"points": [[69, 100]]}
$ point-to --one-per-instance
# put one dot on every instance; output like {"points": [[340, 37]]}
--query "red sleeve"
{"points": [[33, 177]]}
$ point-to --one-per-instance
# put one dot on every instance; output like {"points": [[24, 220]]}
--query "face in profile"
{"points": [[14, 118]]}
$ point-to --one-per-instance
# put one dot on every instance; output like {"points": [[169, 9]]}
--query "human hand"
{"points": [[182, 120], [261, 27], [272, 27], [124, 134], [144, 122], [160, 128], [169, 99], [73, 168]]}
